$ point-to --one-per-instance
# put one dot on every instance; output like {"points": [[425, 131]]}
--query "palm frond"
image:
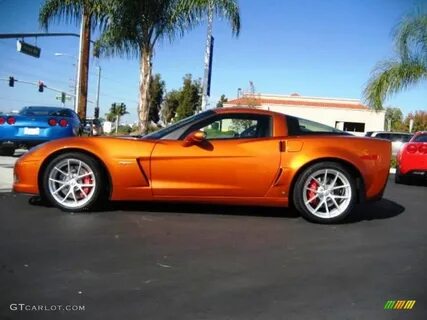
{"points": [[390, 77], [197, 11], [117, 42], [410, 36], [230, 10], [70, 11]]}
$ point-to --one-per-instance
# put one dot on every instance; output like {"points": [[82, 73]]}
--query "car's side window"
{"points": [[421, 138], [236, 126]]}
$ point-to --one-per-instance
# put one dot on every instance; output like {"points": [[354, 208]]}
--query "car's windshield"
{"points": [[162, 132], [44, 111]]}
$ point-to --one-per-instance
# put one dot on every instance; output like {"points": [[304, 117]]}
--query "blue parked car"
{"points": [[35, 125]]}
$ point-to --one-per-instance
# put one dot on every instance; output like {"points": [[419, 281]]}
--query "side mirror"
{"points": [[194, 137]]}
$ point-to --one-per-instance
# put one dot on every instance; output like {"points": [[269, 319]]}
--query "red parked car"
{"points": [[412, 159]]}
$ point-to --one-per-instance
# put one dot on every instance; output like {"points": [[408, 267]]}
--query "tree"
{"points": [[157, 89], [117, 110], [221, 101], [190, 99], [134, 27], [92, 13], [395, 116], [407, 69], [170, 105], [420, 121]]}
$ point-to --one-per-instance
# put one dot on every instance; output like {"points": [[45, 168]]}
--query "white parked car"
{"points": [[397, 138]]}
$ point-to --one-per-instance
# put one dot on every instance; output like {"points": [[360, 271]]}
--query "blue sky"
{"points": [[315, 48]]}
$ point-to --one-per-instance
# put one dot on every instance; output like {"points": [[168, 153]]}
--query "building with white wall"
{"points": [[344, 114]]}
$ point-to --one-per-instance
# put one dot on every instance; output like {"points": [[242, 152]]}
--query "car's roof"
{"points": [[391, 132]]}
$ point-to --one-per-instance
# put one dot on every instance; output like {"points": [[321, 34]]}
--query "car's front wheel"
{"points": [[398, 177], [325, 192], [74, 182], [7, 151]]}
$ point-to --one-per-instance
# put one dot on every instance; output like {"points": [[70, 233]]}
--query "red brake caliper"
{"points": [[86, 180], [311, 193]]}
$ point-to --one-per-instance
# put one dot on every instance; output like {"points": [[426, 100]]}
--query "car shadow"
{"points": [[192, 208], [383, 209], [180, 207], [377, 210], [418, 182]]}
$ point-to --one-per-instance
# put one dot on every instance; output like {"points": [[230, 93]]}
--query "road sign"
{"points": [[28, 49], [67, 97]]}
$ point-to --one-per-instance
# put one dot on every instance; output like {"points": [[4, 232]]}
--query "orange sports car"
{"points": [[227, 155]]}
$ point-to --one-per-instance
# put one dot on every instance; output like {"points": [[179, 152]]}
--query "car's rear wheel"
{"points": [[325, 192], [398, 177], [7, 151], [74, 182]]}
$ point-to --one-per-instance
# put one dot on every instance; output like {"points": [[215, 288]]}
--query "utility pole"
{"points": [[76, 75], [97, 92], [83, 71], [208, 59]]}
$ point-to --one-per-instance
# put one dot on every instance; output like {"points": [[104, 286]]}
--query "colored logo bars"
{"points": [[399, 304]]}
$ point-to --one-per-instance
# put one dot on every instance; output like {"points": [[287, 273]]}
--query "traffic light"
{"points": [[11, 81], [96, 115], [41, 86], [63, 97]]}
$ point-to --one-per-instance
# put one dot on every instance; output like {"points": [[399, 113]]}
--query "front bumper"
{"points": [[421, 174], [25, 175]]}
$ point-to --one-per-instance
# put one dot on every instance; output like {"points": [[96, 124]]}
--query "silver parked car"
{"points": [[397, 138]]}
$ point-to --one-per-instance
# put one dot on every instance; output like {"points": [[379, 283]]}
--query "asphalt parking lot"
{"points": [[156, 261]]}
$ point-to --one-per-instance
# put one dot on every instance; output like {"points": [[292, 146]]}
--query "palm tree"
{"points": [[90, 13], [117, 110], [134, 27], [410, 66]]}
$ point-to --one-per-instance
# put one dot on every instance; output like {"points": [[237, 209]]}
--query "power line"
{"points": [[26, 74], [44, 58]]}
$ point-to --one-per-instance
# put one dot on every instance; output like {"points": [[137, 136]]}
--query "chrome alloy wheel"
{"points": [[72, 183], [327, 193]]}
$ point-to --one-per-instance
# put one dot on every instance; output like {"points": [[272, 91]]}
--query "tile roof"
{"points": [[296, 101]]}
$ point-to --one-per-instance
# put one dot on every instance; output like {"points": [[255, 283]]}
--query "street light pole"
{"points": [[60, 54], [97, 92], [208, 61]]}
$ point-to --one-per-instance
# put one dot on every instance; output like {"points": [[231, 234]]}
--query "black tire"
{"points": [[7, 151], [317, 201], [86, 193], [398, 177]]}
